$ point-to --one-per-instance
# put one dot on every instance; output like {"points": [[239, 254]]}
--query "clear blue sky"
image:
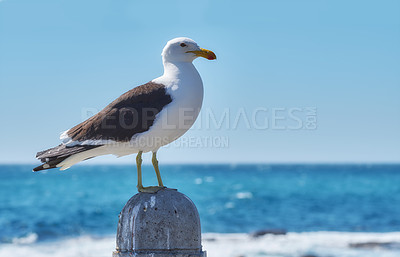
{"points": [[59, 59]]}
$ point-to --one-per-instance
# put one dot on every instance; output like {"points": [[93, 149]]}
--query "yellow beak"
{"points": [[204, 53]]}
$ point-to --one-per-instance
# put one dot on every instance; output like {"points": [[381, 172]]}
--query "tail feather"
{"points": [[53, 156], [50, 164]]}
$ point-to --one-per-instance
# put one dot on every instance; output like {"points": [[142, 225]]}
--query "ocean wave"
{"points": [[28, 239], [333, 244]]}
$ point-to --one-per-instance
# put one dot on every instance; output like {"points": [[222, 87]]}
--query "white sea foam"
{"points": [[333, 244], [83, 246], [299, 244], [29, 239], [244, 195]]}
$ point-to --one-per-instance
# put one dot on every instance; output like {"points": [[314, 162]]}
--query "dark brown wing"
{"points": [[132, 113]]}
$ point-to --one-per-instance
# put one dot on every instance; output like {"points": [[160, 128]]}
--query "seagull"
{"points": [[141, 120]]}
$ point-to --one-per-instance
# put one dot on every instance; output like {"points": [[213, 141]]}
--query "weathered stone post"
{"points": [[162, 224]]}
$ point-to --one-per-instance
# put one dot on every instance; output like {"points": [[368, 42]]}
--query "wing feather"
{"points": [[132, 113]]}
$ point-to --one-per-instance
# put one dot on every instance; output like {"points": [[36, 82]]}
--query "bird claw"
{"points": [[151, 189]]}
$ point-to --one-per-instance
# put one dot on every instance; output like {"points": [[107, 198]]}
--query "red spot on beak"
{"points": [[211, 55]]}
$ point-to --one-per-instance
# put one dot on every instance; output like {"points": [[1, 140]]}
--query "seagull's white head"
{"points": [[183, 49]]}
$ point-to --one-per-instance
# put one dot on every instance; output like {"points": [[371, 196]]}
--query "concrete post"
{"points": [[162, 224]]}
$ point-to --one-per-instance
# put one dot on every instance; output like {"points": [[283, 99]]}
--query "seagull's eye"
{"points": [[183, 45]]}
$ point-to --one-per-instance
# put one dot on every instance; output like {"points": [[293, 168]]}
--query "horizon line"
{"points": [[221, 163]]}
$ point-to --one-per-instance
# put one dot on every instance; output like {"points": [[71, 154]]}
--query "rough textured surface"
{"points": [[166, 223]]}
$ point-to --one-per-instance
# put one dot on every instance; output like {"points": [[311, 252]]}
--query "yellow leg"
{"points": [[155, 164], [139, 170], [140, 187]]}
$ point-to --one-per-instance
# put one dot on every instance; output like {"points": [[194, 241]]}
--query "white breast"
{"points": [[185, 86]]}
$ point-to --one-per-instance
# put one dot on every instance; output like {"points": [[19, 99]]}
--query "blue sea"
{"points": [[327, 210]]}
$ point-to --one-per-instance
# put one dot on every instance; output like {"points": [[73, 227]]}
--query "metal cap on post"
{"points": [[160, 224]]}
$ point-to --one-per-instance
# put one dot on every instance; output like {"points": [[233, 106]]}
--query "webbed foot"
{"points": [[151, 189]]}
